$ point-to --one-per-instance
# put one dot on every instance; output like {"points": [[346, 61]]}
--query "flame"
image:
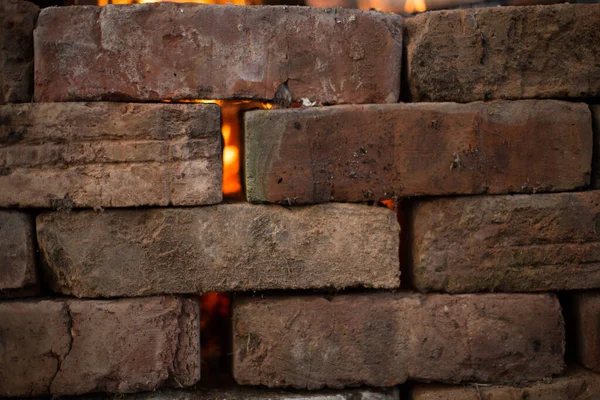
{"points": [[412, 6]]}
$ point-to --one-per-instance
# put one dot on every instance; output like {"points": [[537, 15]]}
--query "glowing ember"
{"points": [[412, 6]]}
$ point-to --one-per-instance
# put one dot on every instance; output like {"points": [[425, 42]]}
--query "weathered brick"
{"points": [[520, 243], [250, 393], [18, 273], [577, 384], [384, 339], [596, 163], [220, 248], [320, 154], [504, 53], [585, 313], [17, 20], [64, 346], [186, 51], [64, 155]]}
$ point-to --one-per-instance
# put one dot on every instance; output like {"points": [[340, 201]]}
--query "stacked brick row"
{"points": [[491, 164]]}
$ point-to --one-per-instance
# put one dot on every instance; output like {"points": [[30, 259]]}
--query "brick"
{"points": [[18, 274], [384, 339], [314, 155], [151, 52], [250, 393], [61, 346], [221, 248], [64, 155], [521, 243], [577, 384], [596, 162], [504, 53], [17, 20], [585, 312]]}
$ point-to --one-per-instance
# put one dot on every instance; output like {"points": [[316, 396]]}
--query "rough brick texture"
{"points": [[220, 248], [64, 155], [322, 154], [185, 51], [17, 20], [384, 339], [63, 347], [585, 312], [250, 393], [596, 164], [519, 243], [577, 384], [18, 273], [504, 53]]}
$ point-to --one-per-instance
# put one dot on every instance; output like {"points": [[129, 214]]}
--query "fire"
{"points": [[412, 6]]}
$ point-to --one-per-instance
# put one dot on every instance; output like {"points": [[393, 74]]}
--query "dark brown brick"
{"points": [[596, 163], [64, 155], [221, 248], [384, 339], [373, 152], [585, 312], [504, 53], [18, 274], [577, 384], [189, 51], [61, 347], [17, 20], [522, 243]]}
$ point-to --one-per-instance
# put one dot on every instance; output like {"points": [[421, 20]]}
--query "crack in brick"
{"points": [[60, 360]]}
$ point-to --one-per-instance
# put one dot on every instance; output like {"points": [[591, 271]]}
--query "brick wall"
{"points": [[113, 218]]}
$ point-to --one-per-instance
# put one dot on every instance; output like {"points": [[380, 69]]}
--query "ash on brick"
{"points": [[373, 152], [384, 339], [65, 155], [504, 53], [228, 247], [520, 243]]}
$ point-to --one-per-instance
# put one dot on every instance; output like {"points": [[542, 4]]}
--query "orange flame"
{"points": [[412, 6]]}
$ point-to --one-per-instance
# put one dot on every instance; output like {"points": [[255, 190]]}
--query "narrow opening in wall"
{"points": [[215, 343], [233, 143]]}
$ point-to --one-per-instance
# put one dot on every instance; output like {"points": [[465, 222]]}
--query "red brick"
{"points": [[324, 154], [64, 155], [62, 347], [585, 314], [577, 384], [18, 274], [17, 20], [222, 248], [186, 51], [384, 339], [521, 243], [504, 53]]}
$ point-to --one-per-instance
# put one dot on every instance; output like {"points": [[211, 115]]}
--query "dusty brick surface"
{"points": [[585, 312], [17, 20], [72, 347], [250, 393], [220, 248], [522, 243], [504, 53], [185, 51], [384, 339], [577, 384], [372, 152], [64, 155], [17, 254], [596, 165]]}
